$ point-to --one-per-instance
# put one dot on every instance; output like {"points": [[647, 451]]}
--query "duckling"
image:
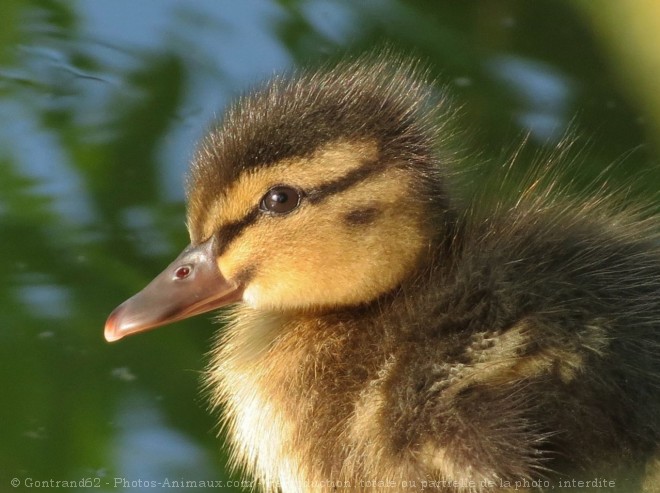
{"points": [[387, 335]]}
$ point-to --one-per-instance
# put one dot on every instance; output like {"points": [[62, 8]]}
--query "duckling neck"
{"points": [[292, 386], [295, 388], [283, 378]]}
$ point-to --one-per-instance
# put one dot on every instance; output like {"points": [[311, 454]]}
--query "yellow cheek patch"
{"points": [[327, 164], [313, 258]]}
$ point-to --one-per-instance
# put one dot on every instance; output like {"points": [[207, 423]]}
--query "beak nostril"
{"points": [[182, 272]]}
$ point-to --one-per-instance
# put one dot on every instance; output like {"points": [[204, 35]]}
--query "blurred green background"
{"points": [[100, 106]]}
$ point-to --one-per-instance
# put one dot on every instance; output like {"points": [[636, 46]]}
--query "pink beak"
{"points": [[190, 285]]}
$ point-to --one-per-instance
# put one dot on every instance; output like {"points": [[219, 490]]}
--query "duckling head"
{"points": [[314, 192]]}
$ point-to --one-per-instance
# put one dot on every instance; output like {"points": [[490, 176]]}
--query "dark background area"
{"points": [[100, 107]]}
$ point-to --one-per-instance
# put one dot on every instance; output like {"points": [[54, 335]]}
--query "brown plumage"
{"points": [[391, 337]]}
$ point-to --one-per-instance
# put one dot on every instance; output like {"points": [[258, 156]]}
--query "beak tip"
{"points": [[111, 336], [112, 332]]}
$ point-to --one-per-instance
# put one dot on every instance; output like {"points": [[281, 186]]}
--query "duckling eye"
{"points": [[281, 200]]}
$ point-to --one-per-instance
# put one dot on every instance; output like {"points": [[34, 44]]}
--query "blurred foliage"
{"points": [[65, 390], [9, 12], [630, 31]]}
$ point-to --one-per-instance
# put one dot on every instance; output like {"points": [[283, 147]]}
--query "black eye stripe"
{"points": [[342, 183], [230, 231]]}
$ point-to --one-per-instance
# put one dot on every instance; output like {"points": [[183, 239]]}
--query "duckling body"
{"points": [[472, 372], [389, 339]]}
